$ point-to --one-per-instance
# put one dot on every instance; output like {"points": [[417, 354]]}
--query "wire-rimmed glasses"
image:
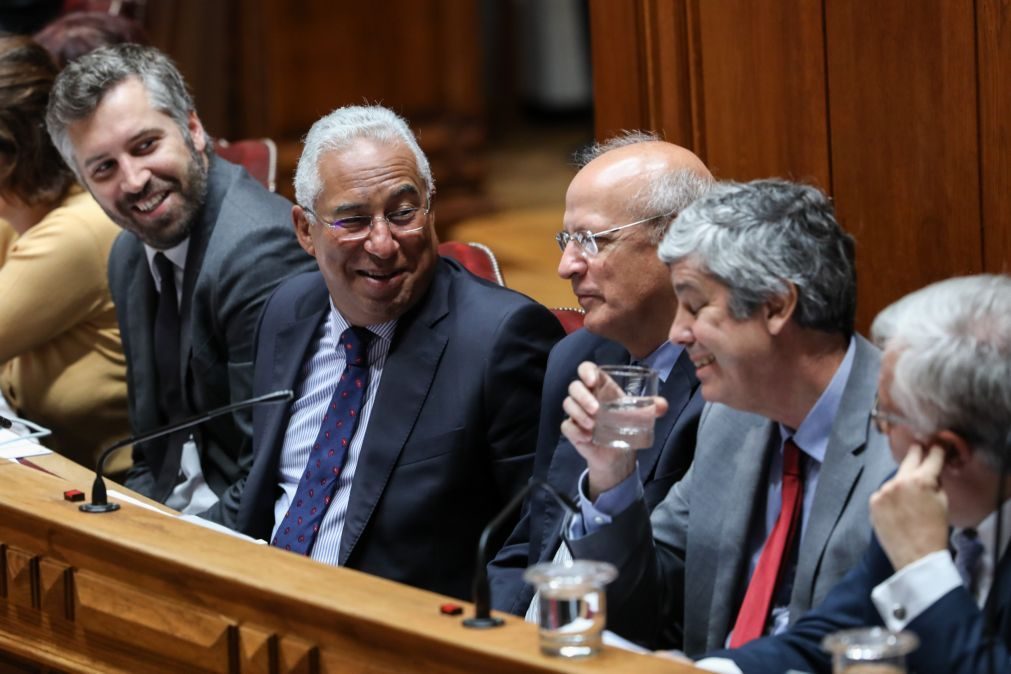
{"points": [[587, 241], [401, 221], [884, 421]]}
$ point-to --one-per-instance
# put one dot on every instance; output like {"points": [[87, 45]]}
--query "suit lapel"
{"points": [[678, 391], [844, 462], [731, 558], [408, 373]]}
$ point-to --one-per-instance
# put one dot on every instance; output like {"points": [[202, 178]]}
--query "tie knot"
{"points": [[968, 552], [355, 342], [791, 458]]}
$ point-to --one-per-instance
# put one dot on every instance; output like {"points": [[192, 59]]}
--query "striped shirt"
{"points": [[312, 395]]}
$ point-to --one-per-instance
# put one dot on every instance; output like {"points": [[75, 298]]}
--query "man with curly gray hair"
{"points": [[773, 511], [937, 564]]}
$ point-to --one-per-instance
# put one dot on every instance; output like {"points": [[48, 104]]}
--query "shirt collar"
{"points": [[338, 324], [662, 359], [988, 526], [813, 433], [175, 254]]}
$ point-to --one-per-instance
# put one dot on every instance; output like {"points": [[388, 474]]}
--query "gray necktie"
{"points": [[968, 552]]}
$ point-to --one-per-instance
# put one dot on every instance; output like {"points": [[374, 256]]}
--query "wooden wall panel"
{"points": [[902, 92], [763, 89], [620, 97], [993, 26]]}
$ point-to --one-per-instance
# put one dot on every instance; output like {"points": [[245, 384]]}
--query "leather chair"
{"points": [[258, 156]]}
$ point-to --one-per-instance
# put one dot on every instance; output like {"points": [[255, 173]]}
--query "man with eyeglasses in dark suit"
{"points": [[417, 384]]}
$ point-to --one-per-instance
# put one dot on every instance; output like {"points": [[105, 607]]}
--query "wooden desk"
{"points": [[136, 591]]}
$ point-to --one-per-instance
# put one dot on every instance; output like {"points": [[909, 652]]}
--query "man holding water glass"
{"points": [[617, 209], [773, 510]]}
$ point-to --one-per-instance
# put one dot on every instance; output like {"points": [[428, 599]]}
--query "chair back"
{"points": [[258, 156], [476, 258], [570, 318]]}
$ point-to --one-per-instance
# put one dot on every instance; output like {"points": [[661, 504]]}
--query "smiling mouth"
{"points": [[151, 203], [702, 362], [380, 276]]}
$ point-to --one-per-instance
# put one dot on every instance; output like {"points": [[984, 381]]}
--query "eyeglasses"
{"points": [[401, 221], [587, 241], [883, 421]]}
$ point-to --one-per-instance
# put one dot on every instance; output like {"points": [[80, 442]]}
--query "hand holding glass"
{"points": [[627, 413]]}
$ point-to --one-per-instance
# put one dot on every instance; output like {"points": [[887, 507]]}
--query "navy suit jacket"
{"points": [[241, 246], [950, 631], [538, 533], [452, 430]]}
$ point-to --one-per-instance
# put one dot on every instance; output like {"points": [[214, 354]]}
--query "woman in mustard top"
{"points": [[61, 362]]}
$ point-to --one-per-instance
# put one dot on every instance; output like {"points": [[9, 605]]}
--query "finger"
{"points": [[661, 405], [931, 466], [583, 397], [910, 461], [578, 414], [588, 373], [576, 435]]}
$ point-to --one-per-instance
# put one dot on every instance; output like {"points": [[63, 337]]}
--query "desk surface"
{"points": [[135, 589]]}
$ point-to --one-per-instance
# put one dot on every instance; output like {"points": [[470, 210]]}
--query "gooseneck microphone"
{"points": [[99, 497], [992, 603], [482, 618]]}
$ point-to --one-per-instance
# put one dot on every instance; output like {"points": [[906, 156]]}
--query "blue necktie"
{"points": [[968, 551], [300, 525]]}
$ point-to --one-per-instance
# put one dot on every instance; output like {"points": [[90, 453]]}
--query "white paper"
{"points": [[14, 447], [192, 519]]}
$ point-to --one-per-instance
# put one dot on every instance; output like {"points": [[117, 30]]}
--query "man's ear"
{"points": [[197, 134], [957, 452], [779, 309], [300, 221]]}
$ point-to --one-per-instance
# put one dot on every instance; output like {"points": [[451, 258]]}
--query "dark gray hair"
{"points": [[668, 192], [953, 368], [80, 87], [338, 130], [758, 237]]}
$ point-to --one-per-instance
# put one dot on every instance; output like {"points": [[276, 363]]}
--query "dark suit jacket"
{"points": [[241, 245], [538, 533], [684, 569], [452, 430], [950, 631]]}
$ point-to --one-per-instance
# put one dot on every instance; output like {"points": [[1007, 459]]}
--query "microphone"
{"points": [[99, 497], [482, 618], [990, 614], [5, 422]]}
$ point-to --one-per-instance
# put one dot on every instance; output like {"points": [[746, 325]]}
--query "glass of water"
{"points": [[870, 650], [572, 604], [627, 411]]}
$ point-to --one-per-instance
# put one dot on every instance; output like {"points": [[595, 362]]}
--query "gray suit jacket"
{"points": [[241, 246], [683, 584]]}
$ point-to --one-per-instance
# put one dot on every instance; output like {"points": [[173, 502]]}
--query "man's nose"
{"points": [[573, 262], [135, 177]]}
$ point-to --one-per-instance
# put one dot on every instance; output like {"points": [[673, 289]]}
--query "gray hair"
{"points": [[953, 367], [338, 130], [669, 192], [758, 237], [80, 87]]}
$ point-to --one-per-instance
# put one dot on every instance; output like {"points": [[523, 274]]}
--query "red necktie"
{"points": [[754, 611]]}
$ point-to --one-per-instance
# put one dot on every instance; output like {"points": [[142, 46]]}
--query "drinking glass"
{"points": [[572, 604], [870, 650], [627, 411]]}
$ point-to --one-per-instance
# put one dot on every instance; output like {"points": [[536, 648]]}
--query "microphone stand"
{"points": [[99, 496], [482, 618]]}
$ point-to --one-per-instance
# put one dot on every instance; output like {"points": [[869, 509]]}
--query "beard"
{"points": [[174, 226]]}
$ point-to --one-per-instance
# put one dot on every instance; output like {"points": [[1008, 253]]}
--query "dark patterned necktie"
{"points": [[166, 340], [968, 553], [300, 525]]}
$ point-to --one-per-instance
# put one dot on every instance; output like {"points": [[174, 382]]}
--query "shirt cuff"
{"points": [[913, 589], [720, 665], [595, 515]]}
